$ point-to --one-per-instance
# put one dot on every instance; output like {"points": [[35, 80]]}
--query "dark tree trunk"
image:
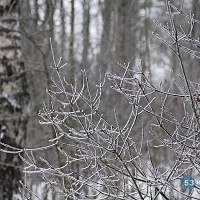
{"points": [[71, 45], [63, 29], [127, 19], [86, 33], [105, 48], [194, 70]]}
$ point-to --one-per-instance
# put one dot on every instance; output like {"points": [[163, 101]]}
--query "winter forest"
{"points": [[99, 99]]}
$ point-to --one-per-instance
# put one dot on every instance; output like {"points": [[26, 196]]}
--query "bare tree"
{"points": [[113, 164]]}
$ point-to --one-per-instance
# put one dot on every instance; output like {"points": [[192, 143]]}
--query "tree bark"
{"points": [[13, 99]]}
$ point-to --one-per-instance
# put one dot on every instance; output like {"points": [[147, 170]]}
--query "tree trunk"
{"points": [[193, 70], [71, 45], [86, 32], [127, 16], [105, 48], [13, 99], [36, 9], [147, 59], [63, 29]]}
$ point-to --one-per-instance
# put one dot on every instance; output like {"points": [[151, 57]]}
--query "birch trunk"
{"points": [[13, 98]]}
